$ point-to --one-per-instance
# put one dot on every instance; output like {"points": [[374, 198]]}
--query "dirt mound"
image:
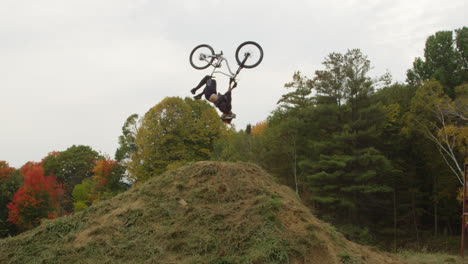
{"points": [[205, 212]]}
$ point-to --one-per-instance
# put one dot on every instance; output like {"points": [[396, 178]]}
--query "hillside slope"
{"points": [[205, 212]]}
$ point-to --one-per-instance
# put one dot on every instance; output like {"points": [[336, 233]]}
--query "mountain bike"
{"points": [[248, 55]]}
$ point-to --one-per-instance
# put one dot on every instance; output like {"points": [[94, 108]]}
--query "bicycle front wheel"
{"points": [[249, 54], [202, 56]]}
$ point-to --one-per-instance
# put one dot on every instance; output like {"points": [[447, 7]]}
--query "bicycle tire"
{"points": [[193, 60], [254, 49]]}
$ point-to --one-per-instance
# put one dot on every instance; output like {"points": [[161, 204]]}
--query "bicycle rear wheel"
{"points": [[201, 56], [249, 54]]}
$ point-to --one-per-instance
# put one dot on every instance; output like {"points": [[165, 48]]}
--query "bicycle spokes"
{"points": [[252, 54], [202, 57]]}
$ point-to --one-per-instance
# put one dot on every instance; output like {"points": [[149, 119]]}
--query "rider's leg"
{"points": [[199, 96], [202, 82], [209, 89], [229, 99]]}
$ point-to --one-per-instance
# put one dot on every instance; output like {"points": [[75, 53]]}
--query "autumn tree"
{"points": [[441, 120], [71, 167], [38, 198], [259, 128], [106, 182], [173, 132]]}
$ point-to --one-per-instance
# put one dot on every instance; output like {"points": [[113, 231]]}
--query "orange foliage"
{"points": [[103, 170], [259, 128]]}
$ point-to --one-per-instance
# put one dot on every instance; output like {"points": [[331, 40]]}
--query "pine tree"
{"points": [[348, 175]]}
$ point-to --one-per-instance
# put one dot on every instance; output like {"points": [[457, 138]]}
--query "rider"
{"points": [[222, 102]]}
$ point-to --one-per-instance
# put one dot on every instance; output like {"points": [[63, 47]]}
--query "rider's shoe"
{"points": [[194, 90], [228, 116], [198, 97], [227, 121]]}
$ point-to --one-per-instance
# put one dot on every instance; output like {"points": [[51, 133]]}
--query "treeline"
{"points": [[60, 184], [382, 161]]}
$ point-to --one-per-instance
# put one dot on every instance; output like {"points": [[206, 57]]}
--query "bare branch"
{"points": [[446, 150]]}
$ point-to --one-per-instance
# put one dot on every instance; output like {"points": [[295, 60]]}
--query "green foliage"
{"points": [[105, 183], [82, 195], [299, 96], [9, 184], [174, 131], [345, 171], [127, 143], [345, 258], [441, 121], [234, 146], [79, 205], [71, 167], [359, 234], [445, 60]]}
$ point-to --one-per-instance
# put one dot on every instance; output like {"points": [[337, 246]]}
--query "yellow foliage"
{"points": [[259, 128], [392, 112], [455, 135]]}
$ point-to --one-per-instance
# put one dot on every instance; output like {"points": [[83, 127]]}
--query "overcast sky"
{"points": [[72, 71]]}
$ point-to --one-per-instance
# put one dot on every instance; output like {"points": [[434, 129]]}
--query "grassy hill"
{"points": [[205, 212]]}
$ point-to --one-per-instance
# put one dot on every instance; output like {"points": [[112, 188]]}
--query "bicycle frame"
{"points": [[219, 58]]}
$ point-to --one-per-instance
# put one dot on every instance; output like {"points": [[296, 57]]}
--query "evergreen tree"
{"points": [[10, 182], [348, 175]]}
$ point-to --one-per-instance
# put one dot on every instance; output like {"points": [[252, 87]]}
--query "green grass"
{"points": [[414, 257], [345, 258]]}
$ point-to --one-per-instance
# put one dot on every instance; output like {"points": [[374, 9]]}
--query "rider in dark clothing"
{"points": [[209, 89], [222, 102]]}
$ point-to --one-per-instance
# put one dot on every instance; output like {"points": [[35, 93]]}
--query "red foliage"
{"points": [[103, 170], [5, 170], [38, 197]]}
